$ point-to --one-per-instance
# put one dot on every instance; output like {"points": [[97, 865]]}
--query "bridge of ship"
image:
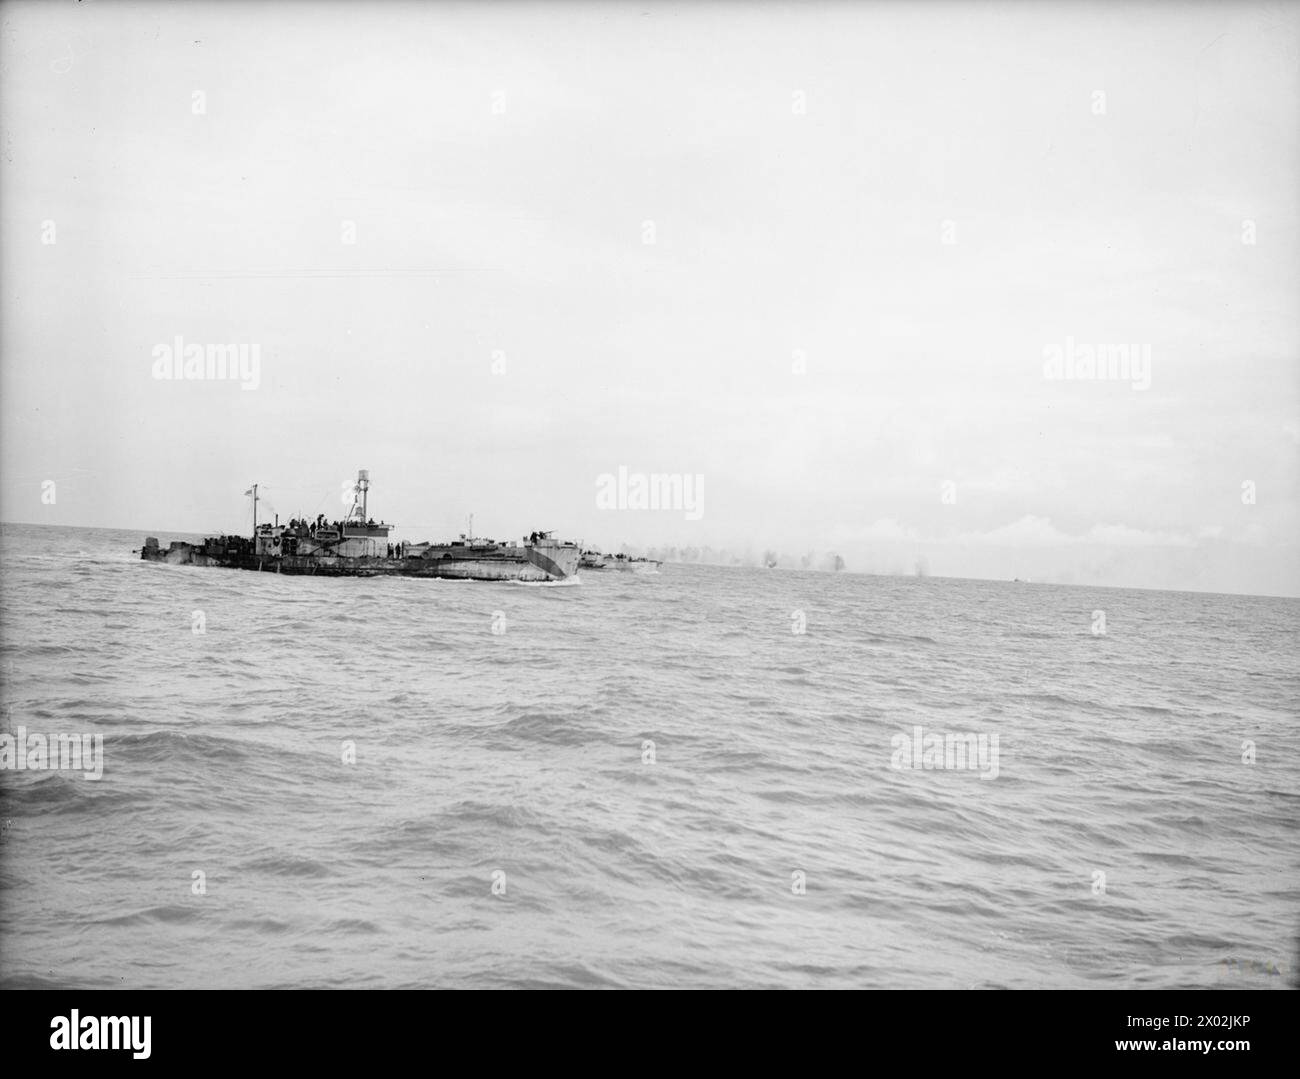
{"points": [[355, 539]]}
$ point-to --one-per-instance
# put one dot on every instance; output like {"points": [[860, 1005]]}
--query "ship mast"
{"points": [[363, 486], [254, 509]]}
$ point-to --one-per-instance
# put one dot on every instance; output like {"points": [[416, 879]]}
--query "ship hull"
{"points": [[540, 563], [621, 566]]}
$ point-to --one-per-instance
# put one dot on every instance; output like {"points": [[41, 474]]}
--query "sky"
{"points": [[821, 263]]}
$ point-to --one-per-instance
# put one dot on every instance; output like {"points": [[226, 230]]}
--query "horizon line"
{"points": [[800, 569]]}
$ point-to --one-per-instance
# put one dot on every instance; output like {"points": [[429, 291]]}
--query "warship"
{"points": [[596, 560], [358, 546]]}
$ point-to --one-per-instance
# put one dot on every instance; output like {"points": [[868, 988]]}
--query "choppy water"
{"points": [[522, 753]]}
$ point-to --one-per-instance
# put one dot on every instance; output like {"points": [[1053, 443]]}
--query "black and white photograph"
{"points": [[652, 496]]}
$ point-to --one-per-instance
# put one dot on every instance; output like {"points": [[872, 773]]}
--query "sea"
{"points": [[707, 776]]}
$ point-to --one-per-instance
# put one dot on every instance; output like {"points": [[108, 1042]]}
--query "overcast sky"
{"points": [[872, 226]]}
